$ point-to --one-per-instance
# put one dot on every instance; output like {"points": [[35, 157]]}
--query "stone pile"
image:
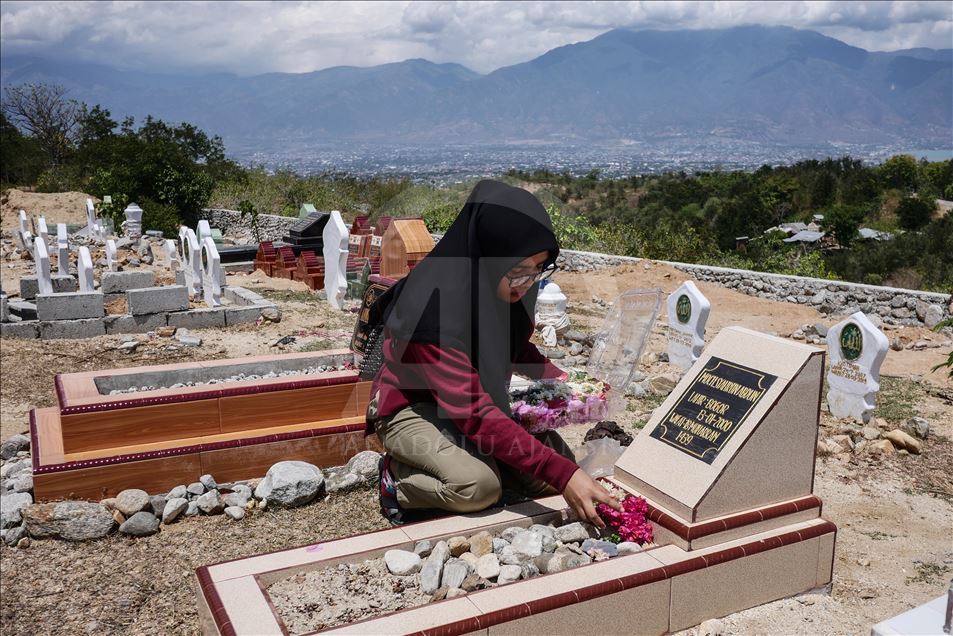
{"points": [[238, 378], [877, 437]]}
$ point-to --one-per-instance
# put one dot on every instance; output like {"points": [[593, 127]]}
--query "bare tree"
{"points": [[43, 111]]}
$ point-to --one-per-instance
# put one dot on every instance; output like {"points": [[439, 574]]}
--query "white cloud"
{"points": [[257, 37]]}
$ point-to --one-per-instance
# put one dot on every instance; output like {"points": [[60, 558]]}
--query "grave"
{"points": [[857, 349], [212, 278], [308, 232], [688, 311], [42, 258], [106, 434], [191, 257], [62, 249], [84, 267], [335, 259], [310, 270], [42, 230], [732, 509], [171, 255], [265, 257], [133, 222], [405, 243], [285, 263], [111, 263], [305, 210], [361, 225]]}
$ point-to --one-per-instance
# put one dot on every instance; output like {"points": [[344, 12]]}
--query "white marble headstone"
{"points": [[211, 266], [857, 349], [191, 253], [688, 311], [171, 255], [90, 214], [111, 255], [84, 267], [202, 230], [133, 222], [62, 249], [42, 230], [335, 259], [24, 223], [42, 258]]}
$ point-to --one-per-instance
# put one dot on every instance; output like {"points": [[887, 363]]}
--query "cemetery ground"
{"points": [[893, 513]]}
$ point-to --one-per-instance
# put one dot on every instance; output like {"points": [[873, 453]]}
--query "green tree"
{"points": [[900, 171], [843, 222], [22, 160], [914, 212]]}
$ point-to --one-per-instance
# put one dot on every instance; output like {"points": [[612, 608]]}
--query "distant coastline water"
{"points": [[931, 155]]}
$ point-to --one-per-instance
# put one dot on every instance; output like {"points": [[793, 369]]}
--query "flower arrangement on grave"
{"points": [[630, 524], [548, 404]]}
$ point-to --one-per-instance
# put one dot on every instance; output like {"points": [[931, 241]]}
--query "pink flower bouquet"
{"points": [[548, 404], [630, 524]]}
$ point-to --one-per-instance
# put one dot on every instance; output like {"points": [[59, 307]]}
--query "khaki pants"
{"points": [[436, 466]]}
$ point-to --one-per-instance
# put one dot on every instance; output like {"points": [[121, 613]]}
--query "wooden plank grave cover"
{"points": [[738, 432]]}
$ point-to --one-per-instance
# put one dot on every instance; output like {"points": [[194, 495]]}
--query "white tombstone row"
{"points": [[335, 260], [211, 273], [171, 255], [688, 311], [84, 267], [191, 253], [857, 349], [133, 222], [42, 230], [62, 249], [42, 258], [111, 254], [23, 235]]}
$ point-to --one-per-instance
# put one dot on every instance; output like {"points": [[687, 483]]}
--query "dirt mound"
{"points": [[57, 207]]}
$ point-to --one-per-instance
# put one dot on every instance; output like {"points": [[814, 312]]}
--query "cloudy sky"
{"points": [[258, 37]]}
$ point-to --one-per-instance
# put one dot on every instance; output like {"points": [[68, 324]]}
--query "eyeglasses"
{"points": [[526, 279]]}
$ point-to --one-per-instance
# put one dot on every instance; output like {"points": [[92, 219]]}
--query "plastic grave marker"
{"points": [[62, 249], [688, 311], [42, 258], [84, 266], [857, 349], [171, 255], [335, 259], [211, 283]]}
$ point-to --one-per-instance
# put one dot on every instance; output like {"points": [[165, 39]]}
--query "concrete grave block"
{"points": [[62, 284], [120, 282], [688, 311], [243, 315], [127, 323], [82, 328], [152, 300], [24, 329], [4, 309], [22, 309], [70, 306], [198, 318]]}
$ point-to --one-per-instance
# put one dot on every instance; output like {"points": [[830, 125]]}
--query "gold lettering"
{"points": [[727, 386]]}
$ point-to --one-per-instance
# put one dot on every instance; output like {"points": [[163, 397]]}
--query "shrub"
{"points": [[160, 216]]}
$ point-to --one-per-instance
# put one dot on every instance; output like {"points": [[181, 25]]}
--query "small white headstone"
{"points": [[90, 214], [42, 258], [202, 230], [133, 222], [171, 255], [24, 240], [42, 230], [191, 253], [857, 349], [335, 259], [84, 266], [211, 267], [688, 311], [62, 249], [111, 254], [24, 223]]}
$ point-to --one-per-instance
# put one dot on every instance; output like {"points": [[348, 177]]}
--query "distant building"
{"points": [[788, 228], [805, 236], [871, 234]]}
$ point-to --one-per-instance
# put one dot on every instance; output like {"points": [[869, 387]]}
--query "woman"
{"points": [[455, 329]]}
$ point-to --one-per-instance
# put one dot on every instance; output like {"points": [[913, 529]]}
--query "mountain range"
{"points": [[764, 84]]}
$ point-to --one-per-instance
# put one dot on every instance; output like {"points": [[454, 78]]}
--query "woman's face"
{"points": [[527, 267]]}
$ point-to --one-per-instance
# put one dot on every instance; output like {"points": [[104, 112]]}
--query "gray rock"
{"points": [[454, 592], [13, 535], [209, 482], [339, 482], [821, 329], [508, 534], [870, 433], [916, 427], [527, 545], [192, 509], [364, 465], [290, 484], [196, 488], [69, 520], [573, 532], [547, 535], [509, 574], [423, 548], [432, 569], [157, 505], [933, 316], [131, 501], [11, 508], [488, 566], [454, 571], [21, 482], [211, 503], [499, 544], [562, 559], [235, 513], [481, 543], [711, 627], [402, 562], [235, 499], [141, 524], [271, 314], [575, 349], [13, 445], [628, 547], [528, 570], [592, 546], [175, 507], [179, 492], [10, 469]]}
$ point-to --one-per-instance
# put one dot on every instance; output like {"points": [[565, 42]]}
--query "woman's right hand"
{"points": [[580, 493]]}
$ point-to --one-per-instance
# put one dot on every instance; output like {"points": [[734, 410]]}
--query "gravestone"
{"points": [[857, 349], [191, 256], [133, 222], [42, 259], [617, 347], [171, 255], [688, 311], [335, 259], [738, 432], [42, 230], [305, 210], [62, 249], [24, 222], [84, 268], [212, 266], [90, 215], [111, 254], [202, 230], [308, 232]]}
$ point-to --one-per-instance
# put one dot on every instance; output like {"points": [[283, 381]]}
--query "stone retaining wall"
{"points": [[230, 222]]}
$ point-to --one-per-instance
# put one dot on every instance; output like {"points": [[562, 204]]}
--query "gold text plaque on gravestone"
{"points": [[712, 408]]}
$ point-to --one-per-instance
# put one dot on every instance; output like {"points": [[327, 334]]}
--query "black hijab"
{"points": [[449, 298]]}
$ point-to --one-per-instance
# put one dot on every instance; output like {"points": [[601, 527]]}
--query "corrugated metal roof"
{"points": [[805, 236]]}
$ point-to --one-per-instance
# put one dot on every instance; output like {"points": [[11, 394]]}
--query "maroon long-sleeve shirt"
{"points": [[427, 373]]}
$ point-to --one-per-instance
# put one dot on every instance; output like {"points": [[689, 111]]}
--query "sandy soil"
{"points": [[62, 207], [894, 548]]}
